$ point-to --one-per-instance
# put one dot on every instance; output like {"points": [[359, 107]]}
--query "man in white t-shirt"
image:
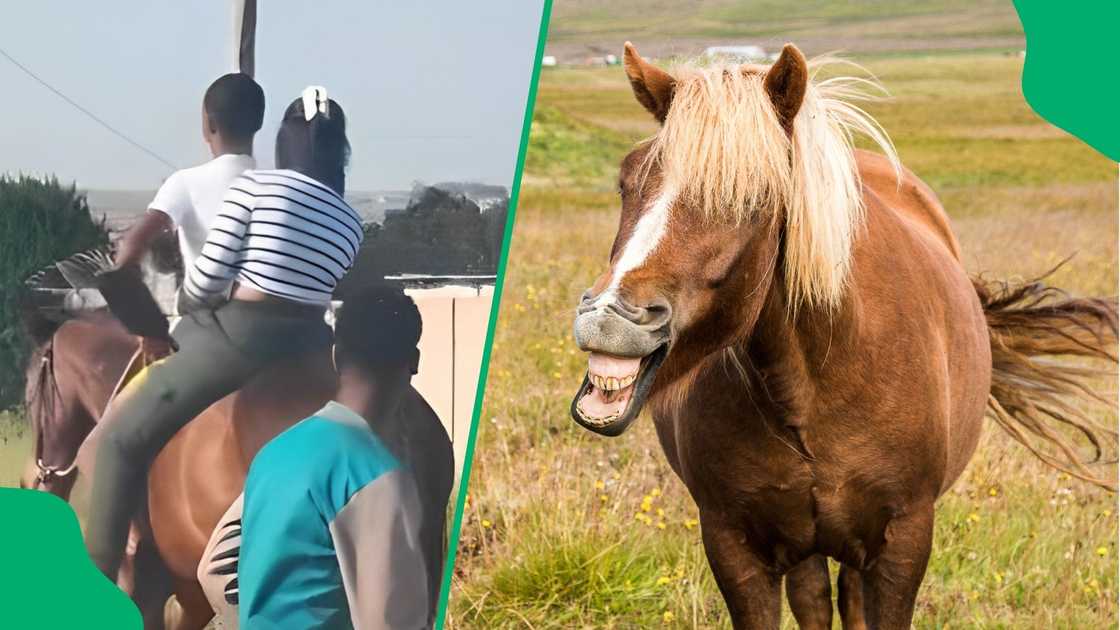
{"points": [[188, 201]]}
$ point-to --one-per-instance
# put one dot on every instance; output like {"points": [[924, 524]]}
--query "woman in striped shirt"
{"points": [[257, 293]]}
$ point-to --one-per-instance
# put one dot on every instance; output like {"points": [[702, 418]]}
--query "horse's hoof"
{"points": [[172, 613]]}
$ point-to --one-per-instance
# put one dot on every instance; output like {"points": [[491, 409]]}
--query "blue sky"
{"points": [[434, 90]]}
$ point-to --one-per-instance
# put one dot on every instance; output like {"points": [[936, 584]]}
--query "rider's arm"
{"points": [[209, 280], [166, 210], [377, 540], [139, 238]]}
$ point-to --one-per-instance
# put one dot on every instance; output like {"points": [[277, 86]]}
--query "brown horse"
{"points": [[817, 361], [202, 470]]}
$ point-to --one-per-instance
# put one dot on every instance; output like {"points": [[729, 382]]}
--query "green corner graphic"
{"points": [[1070, 76], [503, 260], [47, 580]]}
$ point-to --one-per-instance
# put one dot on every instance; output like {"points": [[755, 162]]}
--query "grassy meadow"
{"points": [[565, 529], [15, 444]]}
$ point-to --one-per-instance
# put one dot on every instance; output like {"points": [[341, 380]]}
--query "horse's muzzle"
{"points": [[610, 325], [627, 345]]}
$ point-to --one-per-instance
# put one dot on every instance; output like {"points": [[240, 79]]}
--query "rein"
{"points": [[42, 405]]}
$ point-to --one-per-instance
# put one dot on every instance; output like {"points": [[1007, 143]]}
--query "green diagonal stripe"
{"points": [[515, 190]]}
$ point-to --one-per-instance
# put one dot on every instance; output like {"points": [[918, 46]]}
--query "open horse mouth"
{"points": [[614, 390]]}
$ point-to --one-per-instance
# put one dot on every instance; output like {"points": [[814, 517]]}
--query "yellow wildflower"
{"points": [[599, 485], [668, 617], [486, 524], [663, 580], [1102, 551]]}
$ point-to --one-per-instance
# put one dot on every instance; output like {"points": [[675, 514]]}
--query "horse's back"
{"points": [[908, 195], [429, 445], [202, 469]]}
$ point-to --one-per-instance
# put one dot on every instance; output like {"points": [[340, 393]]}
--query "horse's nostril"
{"points": [[659, 308], [655, 313]]}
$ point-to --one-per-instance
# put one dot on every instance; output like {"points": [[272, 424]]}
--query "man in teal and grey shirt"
{"points": [[331, 521]]}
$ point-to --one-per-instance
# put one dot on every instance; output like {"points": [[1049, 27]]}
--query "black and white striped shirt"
{"points": [[280, 232]]}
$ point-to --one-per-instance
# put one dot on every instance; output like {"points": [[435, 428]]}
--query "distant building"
{"points": [[738, 53]]}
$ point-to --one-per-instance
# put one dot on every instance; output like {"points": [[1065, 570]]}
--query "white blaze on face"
{"points": [[647, 234]]}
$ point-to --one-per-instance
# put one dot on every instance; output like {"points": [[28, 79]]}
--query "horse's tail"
{"points": [[1040, 339]]}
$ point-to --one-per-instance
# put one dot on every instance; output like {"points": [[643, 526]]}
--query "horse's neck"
{"points": [[793, 356]]}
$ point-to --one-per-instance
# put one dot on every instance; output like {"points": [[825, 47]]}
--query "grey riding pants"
{"points": [[219, 350]]}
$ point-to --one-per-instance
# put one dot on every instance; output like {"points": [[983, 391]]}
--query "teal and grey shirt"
{"points": [[330, 532]]}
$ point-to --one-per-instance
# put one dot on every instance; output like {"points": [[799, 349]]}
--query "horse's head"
{"points": [[748, 185], [43, 404]]}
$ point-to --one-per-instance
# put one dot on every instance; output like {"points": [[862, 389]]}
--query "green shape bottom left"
{"points": [[47, 580]]}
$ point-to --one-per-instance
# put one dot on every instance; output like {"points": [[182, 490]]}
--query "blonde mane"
{"points": [[724, 149]]}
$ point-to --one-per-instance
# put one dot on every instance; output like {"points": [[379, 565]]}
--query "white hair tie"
{"points": [[315, 102]]}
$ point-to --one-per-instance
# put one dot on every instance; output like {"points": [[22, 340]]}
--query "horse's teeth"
{"points": [[611, 383]]}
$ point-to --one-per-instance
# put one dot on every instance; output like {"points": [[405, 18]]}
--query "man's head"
{"points": [[376, 333], [232, 112]]}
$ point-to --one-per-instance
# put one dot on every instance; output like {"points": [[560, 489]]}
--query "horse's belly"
{"points": [[970, 384]]}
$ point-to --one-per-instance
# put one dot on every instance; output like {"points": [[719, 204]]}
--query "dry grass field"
{"points": [[565, 529], [580, 28]]}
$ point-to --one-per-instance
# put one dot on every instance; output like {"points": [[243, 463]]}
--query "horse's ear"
{"points": [[653, 87], [786, 82]]}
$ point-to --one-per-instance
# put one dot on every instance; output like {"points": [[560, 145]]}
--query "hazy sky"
{"points": [[434, 90]]}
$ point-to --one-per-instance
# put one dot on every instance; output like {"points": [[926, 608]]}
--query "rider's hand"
{"points": [[154, 349]]}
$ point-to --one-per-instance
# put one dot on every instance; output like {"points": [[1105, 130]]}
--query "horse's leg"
{"points": [[850, 599], [126, 575], [753, 593], [890, 584], [809, 590], [188, 608], [153, 585]]}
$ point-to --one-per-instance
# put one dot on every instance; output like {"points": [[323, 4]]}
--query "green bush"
{"points": [[40, 222]]}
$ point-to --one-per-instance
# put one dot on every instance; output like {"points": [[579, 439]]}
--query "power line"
{"points": [[85, 111]]}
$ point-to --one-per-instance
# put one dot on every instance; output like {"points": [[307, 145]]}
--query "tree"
{"points": [[41, 222]]}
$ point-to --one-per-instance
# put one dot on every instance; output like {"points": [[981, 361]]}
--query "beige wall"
{"points": [[451, 346]]}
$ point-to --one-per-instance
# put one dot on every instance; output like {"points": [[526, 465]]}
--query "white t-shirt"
{"points": [[192, 198]]}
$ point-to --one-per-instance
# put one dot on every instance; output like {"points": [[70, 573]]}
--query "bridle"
{"points": [[50, 473], [47, 473]]}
